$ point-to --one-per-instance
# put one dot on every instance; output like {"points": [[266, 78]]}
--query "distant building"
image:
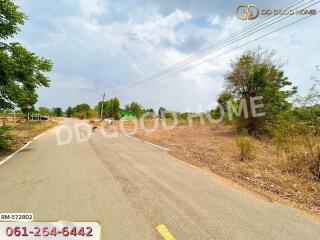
{"points": [[124, 114]]}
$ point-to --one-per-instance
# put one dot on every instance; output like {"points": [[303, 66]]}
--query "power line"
{"points": [[169, 73], [220, 44], [211, 51], [215, 44], [276, 30]]}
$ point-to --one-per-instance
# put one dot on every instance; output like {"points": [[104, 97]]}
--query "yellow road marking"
{"points": [[164, 232]]}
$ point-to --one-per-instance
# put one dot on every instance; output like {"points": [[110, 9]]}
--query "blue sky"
{"points": [[99, 46]]}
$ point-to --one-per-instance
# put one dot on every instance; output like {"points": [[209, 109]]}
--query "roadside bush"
{"points": [[80, 115], [309, 115], [247, 148], [283, 130], [4, 137], [298, 137], [303, 157]]}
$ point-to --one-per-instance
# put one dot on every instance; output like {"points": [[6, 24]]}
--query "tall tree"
{"points": [[111, 108], [70, 112], [82, 111], [10, 18], [57, 112], [223, 100], [256, 73], [44, 111], [135, 108], [21, 71]]}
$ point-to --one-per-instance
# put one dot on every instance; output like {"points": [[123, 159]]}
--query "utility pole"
{"points": [[101, 114]]}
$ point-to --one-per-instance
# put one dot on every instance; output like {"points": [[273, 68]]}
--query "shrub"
{"points": [[299, 139], [283, 130], [303, 157], [4, 137], [247, 148], [318, 163]]}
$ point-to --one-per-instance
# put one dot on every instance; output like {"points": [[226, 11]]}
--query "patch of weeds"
{"points": [[247, 149], [5, 137]]}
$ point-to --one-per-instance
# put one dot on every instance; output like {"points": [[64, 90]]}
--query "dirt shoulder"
{"points": [[21, 133]]}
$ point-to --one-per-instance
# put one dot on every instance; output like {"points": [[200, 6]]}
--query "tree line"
{"points": [[109, 109]]}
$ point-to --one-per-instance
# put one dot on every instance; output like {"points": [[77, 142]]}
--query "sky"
{"points": [[106, 46]]}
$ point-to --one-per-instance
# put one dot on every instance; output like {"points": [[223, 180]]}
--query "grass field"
{"points": [[20, 133]]}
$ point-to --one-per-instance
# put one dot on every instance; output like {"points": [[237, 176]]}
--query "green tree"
{"points": [[111, 108], [57, 112], [21, 71], [4, 136], [70, 112], [150, 110], [83, 111], [223, 100], [44, 111], [135, 108], [254, 74], [10, 19], [150, 113]]}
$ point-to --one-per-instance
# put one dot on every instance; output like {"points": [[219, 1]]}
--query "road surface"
{"points": [[132, 187]]}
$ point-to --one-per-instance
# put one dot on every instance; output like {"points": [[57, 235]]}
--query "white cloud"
{"points": [[92, 7], [214, 20], [67, 82], [105, 45]]}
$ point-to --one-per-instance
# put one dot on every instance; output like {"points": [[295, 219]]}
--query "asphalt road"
{"points": [[131, 187]]}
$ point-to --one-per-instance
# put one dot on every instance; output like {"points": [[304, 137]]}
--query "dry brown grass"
{"points": [[247, 148], [24, 132]]}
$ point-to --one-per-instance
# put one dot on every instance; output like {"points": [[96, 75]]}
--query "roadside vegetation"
{"points": [[16, 135], [21, 73], [110, 109], [247, 148], [293, 127]]}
